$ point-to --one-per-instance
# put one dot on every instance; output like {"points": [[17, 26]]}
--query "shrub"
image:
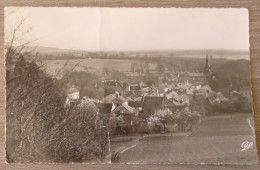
{"points": [[223, 107], [184, 118]]}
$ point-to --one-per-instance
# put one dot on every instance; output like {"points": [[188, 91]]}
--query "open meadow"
{"points": [[215, 141], [92, 65]]}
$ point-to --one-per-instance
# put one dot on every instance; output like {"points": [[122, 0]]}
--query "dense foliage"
{"points": [[184, 119], [38, 124], [232, 75]]}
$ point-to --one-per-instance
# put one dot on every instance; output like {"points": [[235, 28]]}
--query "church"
{"points": [[197, 78]]}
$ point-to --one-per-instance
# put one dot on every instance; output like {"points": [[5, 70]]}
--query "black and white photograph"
{"points": [[128, 86]]}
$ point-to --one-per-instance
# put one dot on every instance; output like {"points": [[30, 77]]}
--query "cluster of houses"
{"points": [[140, 100]]}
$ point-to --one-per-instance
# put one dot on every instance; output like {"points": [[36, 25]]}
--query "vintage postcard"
{"points": [[128, 85]]}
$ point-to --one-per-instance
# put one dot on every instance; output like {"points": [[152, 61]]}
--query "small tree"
{"points": [[160, 118], [184, 118]]}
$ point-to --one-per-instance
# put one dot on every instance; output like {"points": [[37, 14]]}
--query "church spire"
{"points": [[207, 66], [207, 71]]}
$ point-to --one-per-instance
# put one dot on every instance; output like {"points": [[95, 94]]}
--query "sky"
{"points": [[126, 29]]}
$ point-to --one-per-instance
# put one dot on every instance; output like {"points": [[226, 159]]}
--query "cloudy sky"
{"points": [[95, 29]]}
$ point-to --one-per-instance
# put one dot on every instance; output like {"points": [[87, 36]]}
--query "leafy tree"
{"points": [[161, 117], [198, 104], [38, 124], [150, 79], [184, 118], [231, 75]]}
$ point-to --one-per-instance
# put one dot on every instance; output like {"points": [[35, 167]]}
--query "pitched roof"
{"points": [[205, 86], [137, 93], [183, 98], [130, 109], [220, 96], [171, 95], [138, 99], [167, 103], [178, 103], [118, 100], [112, 83], [152, 101], [111, 97], [123, 109], [72, 90], [135, 87], [135, 103], [212, 96]]}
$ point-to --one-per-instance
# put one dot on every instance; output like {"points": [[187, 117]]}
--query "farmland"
{"points": [[89, 65], [215, 141]]}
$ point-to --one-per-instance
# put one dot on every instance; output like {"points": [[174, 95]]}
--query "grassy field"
{"points": [[90, 64], [215, 141]]}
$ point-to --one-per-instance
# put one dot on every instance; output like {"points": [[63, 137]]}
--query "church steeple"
{"points": [[207, 71], [207, 66]]}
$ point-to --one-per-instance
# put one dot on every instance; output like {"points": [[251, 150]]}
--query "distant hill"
{"points": [[46, 50], [215, 53]]}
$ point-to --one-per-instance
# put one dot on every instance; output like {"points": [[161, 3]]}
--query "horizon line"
{"points": [[131, 50]]}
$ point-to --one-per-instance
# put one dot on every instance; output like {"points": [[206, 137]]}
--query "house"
{"points": [[125, 86], [171, 95], [195, 77], [110, 98], [137, 103], [214, 97], [123, 109], [182, 98], [143, 85], [126, 112], [131, 95], [154, 91], [146, 89], [181, 76], [205, 88], [167, 103], [72, 97], [224, 91], [137, 93], [173, 105], [138, 99], [221, 97], [111, 83], [115, 99], [134, 87]]}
